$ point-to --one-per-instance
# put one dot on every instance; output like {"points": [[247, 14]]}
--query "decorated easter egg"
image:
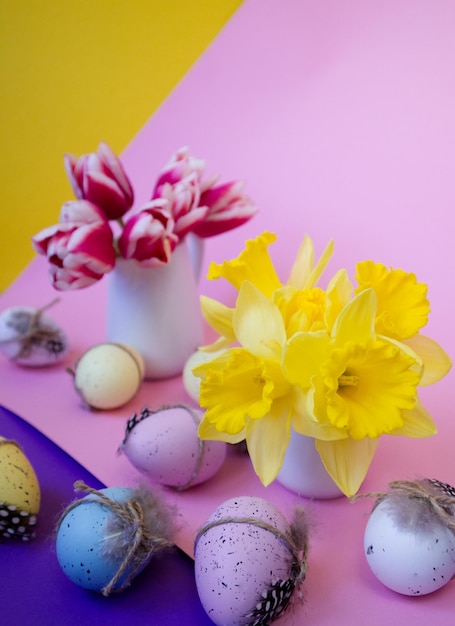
{"points": [[106, 538], [28, 337], [250, 562], [19, 492], [409, 544], [109, 375], [164, 445]]}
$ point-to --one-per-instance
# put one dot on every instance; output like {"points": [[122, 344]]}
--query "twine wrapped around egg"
{"points": [[418, 504], [278, 598], [140, 527]]}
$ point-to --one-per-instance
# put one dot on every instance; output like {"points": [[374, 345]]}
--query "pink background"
{"points": [[340, 117]]}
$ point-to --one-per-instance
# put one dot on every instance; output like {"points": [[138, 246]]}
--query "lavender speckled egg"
{"points": [[407, 549], [164, 445], [243, 567]]}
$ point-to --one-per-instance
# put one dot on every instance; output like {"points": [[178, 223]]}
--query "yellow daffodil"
{"points": [[253, 264], [244, 391], [403, 307], [357, 386], [301, 309], [301, 303], [403, 310], [340, 365]]}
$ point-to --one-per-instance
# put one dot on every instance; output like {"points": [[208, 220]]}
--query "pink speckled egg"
{"points": [[164, 445], [246, 570]]}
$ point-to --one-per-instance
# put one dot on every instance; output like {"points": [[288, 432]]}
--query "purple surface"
{"points": [[34, 590]]}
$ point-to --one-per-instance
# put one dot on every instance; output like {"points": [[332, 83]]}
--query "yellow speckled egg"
{"points": [[20, 494], [109, 375]]}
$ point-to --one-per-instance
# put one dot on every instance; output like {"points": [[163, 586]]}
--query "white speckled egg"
{"points": [[407, 549], [109, 375], [20, 494], [246, 573], [30, 338], [164, 445], [94, 539]]}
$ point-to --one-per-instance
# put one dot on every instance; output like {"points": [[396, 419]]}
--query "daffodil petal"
{"points": [[436, 362], [347, 461], [218, 316], [267, 441], [257, 322], [253, 264], [302, 356], [417, 423], [403, 306], [217, 346], [338, 293], [303, 264], [320, 265], [208, 431], [405, 347], [304, 274], [305, 423], [356, 320]]}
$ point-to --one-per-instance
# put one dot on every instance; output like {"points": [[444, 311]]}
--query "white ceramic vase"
{"points": [[303, 471], [196, 247], [156, 310]]}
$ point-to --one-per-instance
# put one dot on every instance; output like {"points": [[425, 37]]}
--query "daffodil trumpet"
{"points": [[341, 365]]}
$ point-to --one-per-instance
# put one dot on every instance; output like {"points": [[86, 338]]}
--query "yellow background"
{"points": [[74, 72]]}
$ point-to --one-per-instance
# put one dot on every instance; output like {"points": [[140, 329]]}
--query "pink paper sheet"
{"points": [[340, 118]]}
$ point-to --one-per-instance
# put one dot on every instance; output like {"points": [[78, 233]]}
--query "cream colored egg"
{"points": [[109, 375], [20, 494], [191, 382]]}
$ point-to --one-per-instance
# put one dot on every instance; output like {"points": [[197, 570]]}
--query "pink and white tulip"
{"points": [[180, 165], [148, 236], [80, 251], [227, 208], [183, 199], [100, 178], [84, 245]]}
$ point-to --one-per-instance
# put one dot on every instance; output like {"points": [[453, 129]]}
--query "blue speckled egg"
{"points": [[244, 572], [84, 546]]}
